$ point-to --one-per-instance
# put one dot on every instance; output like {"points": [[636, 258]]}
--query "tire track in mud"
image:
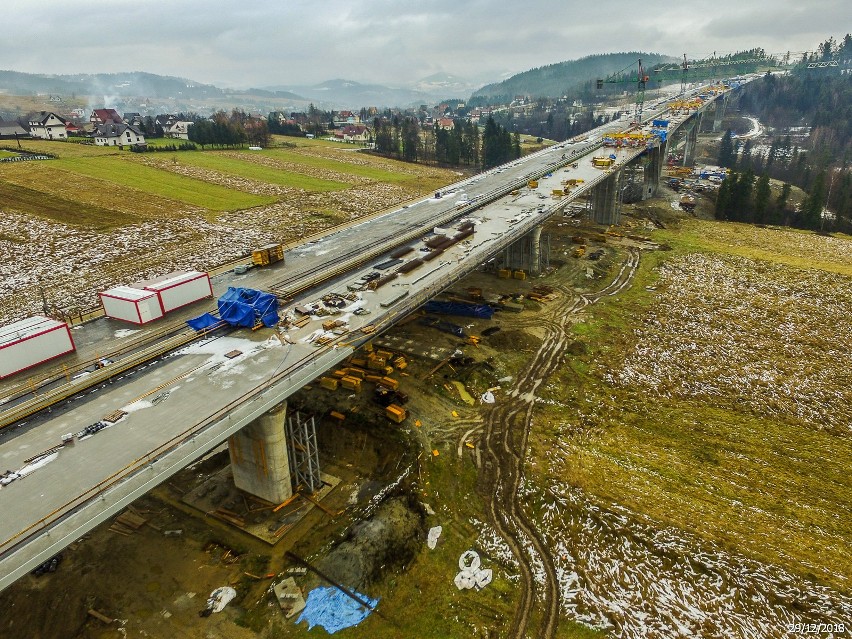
{"points": [[504, 445]]}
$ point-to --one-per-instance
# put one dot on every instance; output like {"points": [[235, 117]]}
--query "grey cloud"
{"points": [[270, 42]]}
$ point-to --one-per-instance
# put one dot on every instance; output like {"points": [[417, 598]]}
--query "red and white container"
{"points": [[32, 341], [179, 289], [131, 304]]}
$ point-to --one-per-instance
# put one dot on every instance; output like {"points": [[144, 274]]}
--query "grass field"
{"points": [[715, 396], [147, 180], [227, 164]]}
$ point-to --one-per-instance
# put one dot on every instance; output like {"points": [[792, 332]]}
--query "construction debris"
{"points": [[289, 597], [471, 575]]}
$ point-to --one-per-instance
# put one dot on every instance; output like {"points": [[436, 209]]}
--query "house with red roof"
{"points": [[355, 133], [105, 116]]}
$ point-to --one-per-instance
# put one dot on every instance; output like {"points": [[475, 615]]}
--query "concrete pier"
{"points": [[691, 142], [259, 457], [525, 253], [605, 200], [654, 170]]}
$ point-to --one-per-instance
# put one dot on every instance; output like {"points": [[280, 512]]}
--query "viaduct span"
{"points": [[191, 400]]}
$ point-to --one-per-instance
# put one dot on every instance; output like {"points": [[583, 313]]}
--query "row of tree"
{"points": [[229, 130], [743, 197], [820, 101], [403, 138]]}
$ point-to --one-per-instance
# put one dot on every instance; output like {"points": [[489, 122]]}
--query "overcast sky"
{"points": [[291, 42]]}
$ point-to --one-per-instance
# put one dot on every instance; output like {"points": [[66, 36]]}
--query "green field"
{"points": [[105, 187], [217, 161], [695, 408], [368, 171], [147, 180]]}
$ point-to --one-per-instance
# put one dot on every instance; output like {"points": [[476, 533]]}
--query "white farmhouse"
{"points": [[118, 135], [179, 130], [48, 126]]}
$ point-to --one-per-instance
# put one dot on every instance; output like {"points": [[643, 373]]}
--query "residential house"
{"points": [[446, 123], [356, 133], [12, 130], [165, 121], [118, 135], [179, 130], [342, 118], [48, 126], [105, 116], [73, 129], [134, 119]]}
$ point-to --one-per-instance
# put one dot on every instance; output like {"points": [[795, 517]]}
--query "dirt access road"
{"points": [[504, 447]]}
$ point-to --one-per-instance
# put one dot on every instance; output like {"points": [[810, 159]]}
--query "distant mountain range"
{"points": [[111, 89], [118, 85]]}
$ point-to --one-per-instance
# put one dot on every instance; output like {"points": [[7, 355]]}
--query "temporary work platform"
{"points": [[30, 342], [179, 288], [131, 304]]}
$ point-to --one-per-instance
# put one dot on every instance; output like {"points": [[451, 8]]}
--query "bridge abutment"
{"points": [[259, 459]]}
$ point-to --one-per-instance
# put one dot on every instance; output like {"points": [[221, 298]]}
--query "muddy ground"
{"points": [[154, 581]]}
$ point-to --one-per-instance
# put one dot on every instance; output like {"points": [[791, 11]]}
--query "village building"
{"points": [[48, 126]]}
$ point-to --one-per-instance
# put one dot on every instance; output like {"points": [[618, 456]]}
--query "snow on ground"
{"points": [[766, 335], [647, 582]]}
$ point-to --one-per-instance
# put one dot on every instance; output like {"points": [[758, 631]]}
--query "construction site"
{"points": [[447, 478]]}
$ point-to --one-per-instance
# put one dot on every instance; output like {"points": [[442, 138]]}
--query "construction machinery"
{"points": [[687, 203], [602, 162], [268, 254]]}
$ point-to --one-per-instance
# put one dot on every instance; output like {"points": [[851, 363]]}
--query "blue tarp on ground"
{"points": [[333, 610], [482, 311], [245, 306], [241, 307], [202, 321]]}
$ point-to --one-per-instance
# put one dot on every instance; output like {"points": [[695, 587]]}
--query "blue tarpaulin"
{"points": [[245, 306], [241, 307], [482, 311], [333, 610], [202, 321]]}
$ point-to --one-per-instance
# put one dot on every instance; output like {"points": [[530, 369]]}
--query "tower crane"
{"points": [[628, 74]]}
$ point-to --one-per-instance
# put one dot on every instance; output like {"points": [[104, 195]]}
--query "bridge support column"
{"points": [[690, 143], [605, 200], [719, 113], [654, 170], [525, 253], [259, 457]]}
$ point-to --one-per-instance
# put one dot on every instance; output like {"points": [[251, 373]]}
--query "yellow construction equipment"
{"points": [[601, 162], [268, 254], [533, 184]]}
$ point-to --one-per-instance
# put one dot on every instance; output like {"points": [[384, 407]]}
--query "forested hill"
{"points": [[555, 80]]}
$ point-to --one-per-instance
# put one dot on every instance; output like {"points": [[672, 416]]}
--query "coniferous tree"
{"points": [[727, 157], [762, 194]]}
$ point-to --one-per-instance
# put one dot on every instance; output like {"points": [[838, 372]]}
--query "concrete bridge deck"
{"points": [[191, 400]]}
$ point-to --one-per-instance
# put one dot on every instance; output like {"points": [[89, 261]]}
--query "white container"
{"points": [[131, 304], [32, 341], [179, 289]]}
